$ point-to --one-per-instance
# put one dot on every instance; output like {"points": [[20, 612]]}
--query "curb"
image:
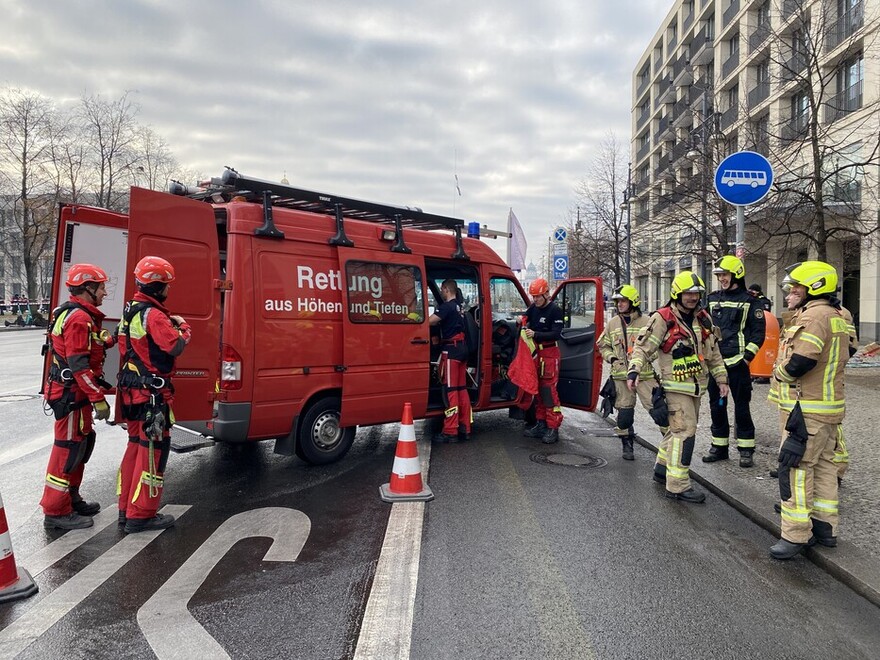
{"points": [[847, 563]]}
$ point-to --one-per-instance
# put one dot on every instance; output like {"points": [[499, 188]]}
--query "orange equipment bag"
{"points": [[762, 365]]}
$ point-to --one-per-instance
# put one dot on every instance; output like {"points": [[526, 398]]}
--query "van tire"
{"points": [[321, 440]]}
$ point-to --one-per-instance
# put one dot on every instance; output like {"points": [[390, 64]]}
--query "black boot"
{"points": [[536, 431], [690, 495], [71, 521], [159, 521], [786, 549], [822, 534], [82, 507], [121, 520], [550, 436], [745, 458], [716, 453], [628, 448]]}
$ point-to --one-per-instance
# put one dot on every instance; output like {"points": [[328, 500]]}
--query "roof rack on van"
{"points": [[270, 193]]}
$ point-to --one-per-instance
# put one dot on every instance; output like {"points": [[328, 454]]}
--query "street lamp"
{"points": [[626, 206]]}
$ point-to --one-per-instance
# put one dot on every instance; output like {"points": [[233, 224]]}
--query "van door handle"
{"points": [[417, 340]]}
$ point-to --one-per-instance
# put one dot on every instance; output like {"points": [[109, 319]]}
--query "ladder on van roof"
{"points": [[271, 194]]}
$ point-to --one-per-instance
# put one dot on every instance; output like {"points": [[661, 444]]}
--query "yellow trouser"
{"points": [[677, 447], [841, 455], [810, 490], [627, 399]]}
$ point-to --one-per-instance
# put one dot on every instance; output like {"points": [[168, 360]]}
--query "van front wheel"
{"points": [[321, 439]]}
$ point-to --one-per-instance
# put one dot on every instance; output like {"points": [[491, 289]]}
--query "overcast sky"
{"points": [[386, 101]]}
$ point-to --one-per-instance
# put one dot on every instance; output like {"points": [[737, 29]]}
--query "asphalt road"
{"points": [[520, 557]]}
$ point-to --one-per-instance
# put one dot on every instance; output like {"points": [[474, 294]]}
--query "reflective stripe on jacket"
{"points": [[740, 318], [647, 348], [817, 331], [612, 345]]}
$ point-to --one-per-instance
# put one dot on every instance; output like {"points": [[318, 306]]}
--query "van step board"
{"points": [[184, 441]]}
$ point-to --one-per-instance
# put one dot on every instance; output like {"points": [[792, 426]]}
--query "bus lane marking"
{"points": [[25, 630], [165, 620], [386, 629], [63, 546]]}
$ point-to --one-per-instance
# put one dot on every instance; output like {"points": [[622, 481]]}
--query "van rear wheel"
{"points": [[321, 439]]}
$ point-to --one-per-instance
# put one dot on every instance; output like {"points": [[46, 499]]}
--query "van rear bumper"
{"points": [[232, 422]]}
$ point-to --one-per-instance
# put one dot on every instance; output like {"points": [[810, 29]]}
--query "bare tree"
{"points": [[27, 123], [111, 130], [597, 239], [827, 141]]}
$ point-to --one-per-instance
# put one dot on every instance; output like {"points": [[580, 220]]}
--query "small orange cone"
{"points": [[15, 582], [406, 476]]}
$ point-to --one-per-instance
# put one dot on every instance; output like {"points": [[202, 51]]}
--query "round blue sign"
{"points": [[743, 178]]}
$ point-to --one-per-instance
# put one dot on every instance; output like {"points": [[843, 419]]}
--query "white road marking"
{"points": [[63, 546], [170, 629], [25, 630], [25, 448], [386, 631]]}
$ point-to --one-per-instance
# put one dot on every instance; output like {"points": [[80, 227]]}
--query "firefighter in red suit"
{"points": [[150, 339], [453, 365], [77, 345], [544, 326]]}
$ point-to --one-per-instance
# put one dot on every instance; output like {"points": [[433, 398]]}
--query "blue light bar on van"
{"points": [[474, 230]]}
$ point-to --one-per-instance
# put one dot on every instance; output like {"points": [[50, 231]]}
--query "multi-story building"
{"points": [[796, 80]]}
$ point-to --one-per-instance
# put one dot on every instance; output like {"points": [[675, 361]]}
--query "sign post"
{"points": [[742, 179]]}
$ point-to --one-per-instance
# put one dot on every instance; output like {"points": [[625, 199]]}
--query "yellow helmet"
{"points": [[686, 281], [819, 278], [732, 265], [627, 292]]}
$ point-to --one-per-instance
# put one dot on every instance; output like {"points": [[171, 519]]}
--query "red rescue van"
{"points": [[309, 311]]}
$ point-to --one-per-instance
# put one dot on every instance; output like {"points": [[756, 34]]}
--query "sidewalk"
{"points": [[856, 560]]}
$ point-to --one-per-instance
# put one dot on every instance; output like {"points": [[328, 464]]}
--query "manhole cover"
{"points": [[569, 460], [12, 398]]}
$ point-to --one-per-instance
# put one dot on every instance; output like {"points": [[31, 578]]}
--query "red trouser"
{"points": [[547, 406], [458, 403], [141, 474], [70, 432]]}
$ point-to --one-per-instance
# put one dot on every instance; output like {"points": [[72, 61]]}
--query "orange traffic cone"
{"points": [[406, 476], [15, 582]]}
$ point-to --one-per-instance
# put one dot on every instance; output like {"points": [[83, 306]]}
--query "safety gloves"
{"points": [[795, 445], [102, 409]]}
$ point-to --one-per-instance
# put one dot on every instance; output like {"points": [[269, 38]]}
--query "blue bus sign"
{"points": [[743, 178]]}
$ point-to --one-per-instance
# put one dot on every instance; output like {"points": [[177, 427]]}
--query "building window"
{"points": [[764, 15], [849, 79], [733, 48]]}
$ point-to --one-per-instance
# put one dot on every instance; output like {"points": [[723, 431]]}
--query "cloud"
{"points": [[380, 100]]}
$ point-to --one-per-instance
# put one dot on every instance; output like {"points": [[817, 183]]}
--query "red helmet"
{"points": [[539, 287], [154, 269], [80, 274]]}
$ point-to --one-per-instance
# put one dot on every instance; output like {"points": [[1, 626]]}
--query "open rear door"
{"points": [[94, 236], [184, 232], [386, 336], [583, 316]]}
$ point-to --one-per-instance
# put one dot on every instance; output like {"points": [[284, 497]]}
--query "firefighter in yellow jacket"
{"points": [[685, 343], [809, 391], [615, 343]]}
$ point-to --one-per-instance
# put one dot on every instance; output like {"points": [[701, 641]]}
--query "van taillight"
{"points": [[230, 369]]}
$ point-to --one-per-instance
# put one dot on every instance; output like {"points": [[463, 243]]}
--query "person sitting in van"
{"points": [[453, 363]]}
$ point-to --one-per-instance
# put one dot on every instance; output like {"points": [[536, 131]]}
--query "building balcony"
{"points": [[664, 171], [642, 118], [729, 65], [759, 36], [793, 68], [640, 186], [843, 103], [845, 27], [790, 8], [643, 84], [662, 129], [794, 129], [687, 22], [848, 194], [728, 117], [731, 11], [643, 151], [682, 117], [758, 93], [658, 63], [680, 150], [682, 72], [666, 91], [671, 44], [702, 48]]}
